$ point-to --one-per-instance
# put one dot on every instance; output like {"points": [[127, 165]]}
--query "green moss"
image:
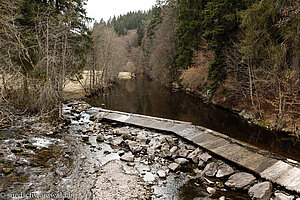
{"points": [[7, 170]]}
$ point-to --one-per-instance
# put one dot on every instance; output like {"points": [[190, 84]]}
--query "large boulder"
{"points": [[261, 191], [240, 180]]}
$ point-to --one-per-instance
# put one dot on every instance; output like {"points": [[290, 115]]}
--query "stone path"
{"points": [[239, 153]]}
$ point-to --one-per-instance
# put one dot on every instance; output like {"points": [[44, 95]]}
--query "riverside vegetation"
{"points": [[243, 55]]}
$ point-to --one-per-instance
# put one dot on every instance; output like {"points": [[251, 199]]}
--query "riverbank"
{"points": [[86, 157], [266, 118]]}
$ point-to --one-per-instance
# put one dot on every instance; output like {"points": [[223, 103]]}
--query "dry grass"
{"points": [[195, 78]]}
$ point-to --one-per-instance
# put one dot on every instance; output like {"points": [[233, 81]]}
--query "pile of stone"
{"points": [[177, 155]]}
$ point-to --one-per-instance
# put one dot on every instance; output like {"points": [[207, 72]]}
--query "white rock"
{"points": [[194, 155], [161, 173], [261, 191], [128, 157], [211, 190], [281, 196], [210, 169], [205, 157], [222, 198], [181, 161], [173, 166], [240, 180], [224, 170]]}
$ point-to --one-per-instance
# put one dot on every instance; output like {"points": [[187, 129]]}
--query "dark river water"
{"points": [[143, 96]]}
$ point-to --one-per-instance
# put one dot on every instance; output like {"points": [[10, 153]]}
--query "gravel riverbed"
{"points": [[88, 158]]}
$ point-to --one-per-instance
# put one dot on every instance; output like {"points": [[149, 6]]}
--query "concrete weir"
{"points": [[239, 153]]}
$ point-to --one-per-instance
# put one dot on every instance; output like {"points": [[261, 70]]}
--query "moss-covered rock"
{"points": [[7, 170]]}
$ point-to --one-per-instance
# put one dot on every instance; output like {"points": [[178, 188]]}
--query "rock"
{"points": [[281, 196], [134, 146], [83, 157], [201, 163], [128, 157], [100, 138], [183, 151], [181, 161], [210, 169], [261, 191], [173, 150], [247, 115], [127, 135], [224, 170], [240, 180], [121, 131], [161, 173], [117, 141], [194, 155], [205, 157], [211, 190], [222, 198], [7, 171], [151, 153], [169, 140], [155, 143], [198, 172], [165, 151], [142, 138], [173, 166]]}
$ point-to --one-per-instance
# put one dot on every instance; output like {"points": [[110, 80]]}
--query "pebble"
{"points": [[161, 173], [211, 190]]}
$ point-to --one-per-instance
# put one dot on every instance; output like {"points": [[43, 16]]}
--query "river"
{"points": [[143, 96]]}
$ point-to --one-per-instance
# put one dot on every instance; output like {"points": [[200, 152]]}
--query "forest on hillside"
{"points": [[241, 54]]}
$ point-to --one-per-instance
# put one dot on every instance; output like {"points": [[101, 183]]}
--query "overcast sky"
{"points": [[105, 9]]}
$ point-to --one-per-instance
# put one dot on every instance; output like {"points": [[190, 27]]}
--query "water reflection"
{"points": [[145, 97]]}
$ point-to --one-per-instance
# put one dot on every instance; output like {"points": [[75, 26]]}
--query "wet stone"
{"points": [[169, 140], [173, 166], [173, 150], [210, 169], [181, 161], [282, 196], [211, 190], [183, 151], [224, 170], [205, 157], [128, 157], [240, 180], [134, 146], [161, 173], [194, 155], [261, 191]]}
